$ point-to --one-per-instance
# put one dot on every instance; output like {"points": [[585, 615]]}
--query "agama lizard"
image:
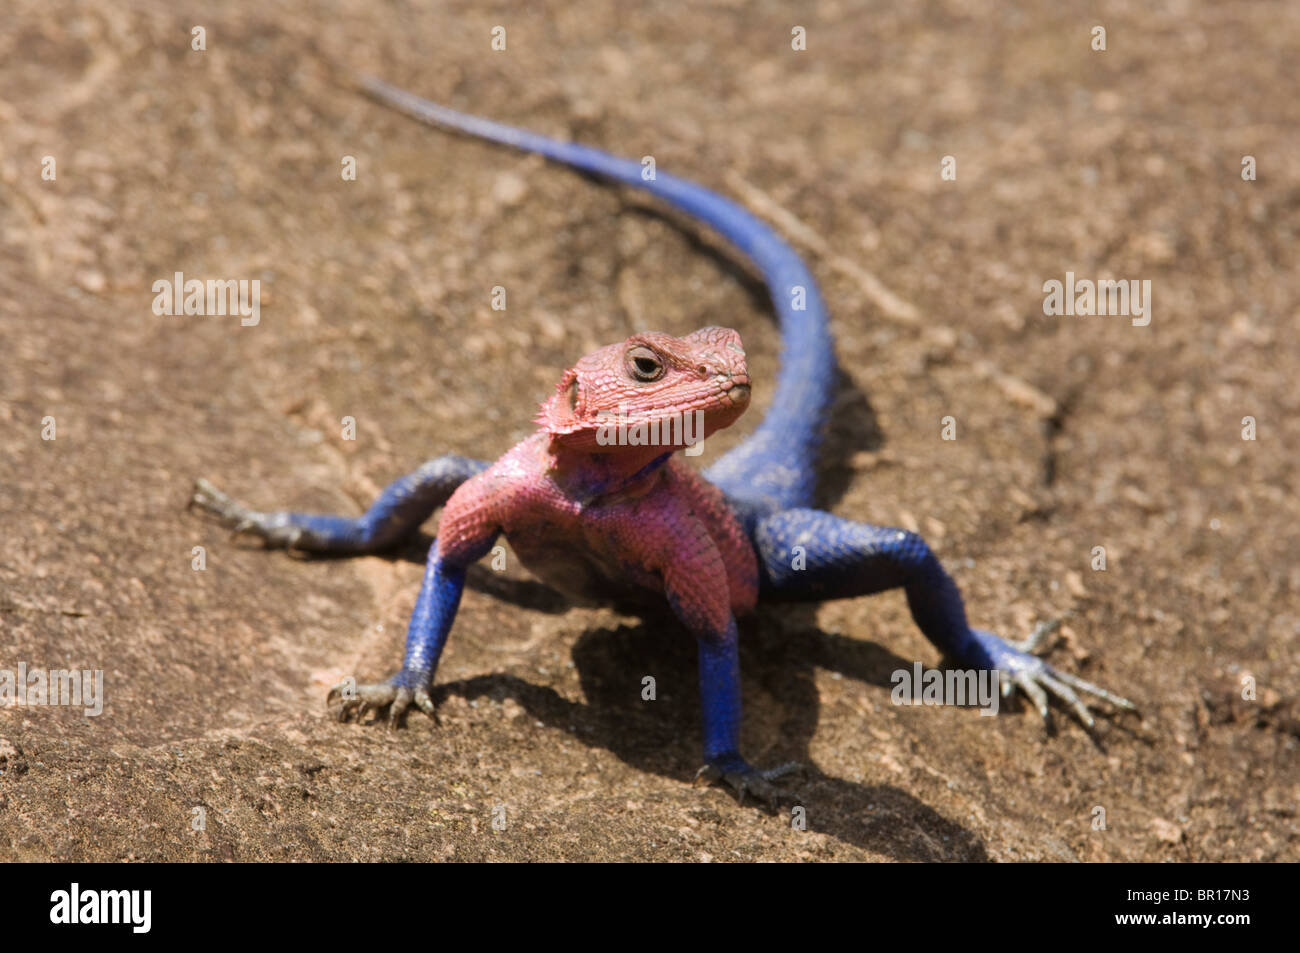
{"points": [[587, 507]]}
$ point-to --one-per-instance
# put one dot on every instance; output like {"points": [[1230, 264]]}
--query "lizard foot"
{"points": [[396, 695], [1023, 669], [745, 779], [273, 530]]}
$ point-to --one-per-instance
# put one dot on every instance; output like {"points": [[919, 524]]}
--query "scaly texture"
{"points": [[595, 502]]}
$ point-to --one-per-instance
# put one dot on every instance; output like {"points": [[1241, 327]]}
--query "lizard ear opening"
{"points": [[563, 412]]}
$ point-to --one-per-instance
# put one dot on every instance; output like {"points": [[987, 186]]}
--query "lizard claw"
{"points": [[744, 779], [1021, 668]]}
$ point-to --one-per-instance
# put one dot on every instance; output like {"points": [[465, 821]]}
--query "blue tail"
{"points": [[776, 466]]}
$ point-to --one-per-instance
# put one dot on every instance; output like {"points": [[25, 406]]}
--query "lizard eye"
{"points": [[644, 364]]}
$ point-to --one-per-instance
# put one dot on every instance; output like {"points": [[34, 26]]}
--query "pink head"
{"points": [[651, 390]]}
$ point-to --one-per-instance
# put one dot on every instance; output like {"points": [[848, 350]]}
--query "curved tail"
{"points": [[776, 466]]}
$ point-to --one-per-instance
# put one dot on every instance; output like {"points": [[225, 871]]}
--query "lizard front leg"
{"points": [[720, 704], [697, 590], [470, 524], [426, 635], [841, 558], [400, 509]]}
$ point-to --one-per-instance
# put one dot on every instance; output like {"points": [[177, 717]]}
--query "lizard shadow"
{"points": [[661, 735]]}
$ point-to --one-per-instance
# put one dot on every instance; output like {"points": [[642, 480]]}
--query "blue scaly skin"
{"points": [[754, 506]]}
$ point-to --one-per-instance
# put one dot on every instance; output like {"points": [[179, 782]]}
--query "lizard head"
{"points": [[651, 390]]}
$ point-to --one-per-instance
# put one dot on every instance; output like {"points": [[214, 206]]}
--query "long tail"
{"points": [[776, 466]]}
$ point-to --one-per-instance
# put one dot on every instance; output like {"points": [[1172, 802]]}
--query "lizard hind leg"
{"points": [[398, 512], [811, 555]]}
